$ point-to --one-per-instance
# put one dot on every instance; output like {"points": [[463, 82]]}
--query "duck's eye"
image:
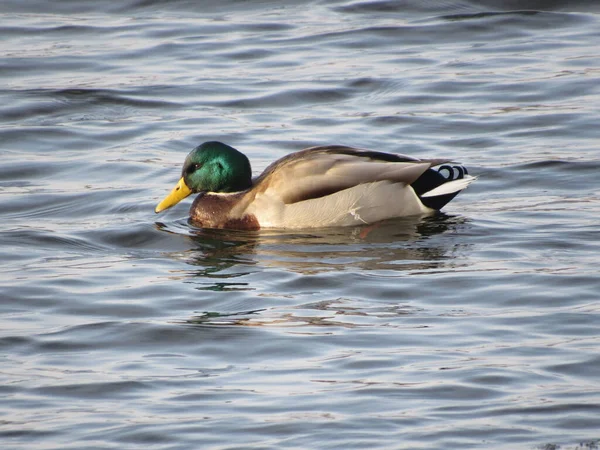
{"points": [[193, 167]]}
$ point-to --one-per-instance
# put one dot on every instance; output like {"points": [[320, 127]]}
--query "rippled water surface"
{"points": [[474, 328]]}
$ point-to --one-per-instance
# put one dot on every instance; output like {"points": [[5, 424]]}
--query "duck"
{"points": [[324, 186]]}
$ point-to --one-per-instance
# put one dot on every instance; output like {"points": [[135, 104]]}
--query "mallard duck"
{"points": [[316, 187]]}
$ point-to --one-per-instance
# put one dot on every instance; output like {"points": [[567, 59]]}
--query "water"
{"points": [[475, 328]]}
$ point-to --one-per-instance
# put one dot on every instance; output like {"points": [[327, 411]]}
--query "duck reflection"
{"points": [[327, 313], [234, 266], [400, 244]]}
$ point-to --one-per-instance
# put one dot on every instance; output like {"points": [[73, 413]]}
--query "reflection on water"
{"points": [[317, 262], [340, 312], [403, 243]]}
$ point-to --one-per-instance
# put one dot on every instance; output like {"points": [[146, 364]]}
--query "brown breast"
{"points": [[215, 211]]}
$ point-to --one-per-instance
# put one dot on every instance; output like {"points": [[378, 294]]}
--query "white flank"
{"points": [[365, 203], [450, 187]]}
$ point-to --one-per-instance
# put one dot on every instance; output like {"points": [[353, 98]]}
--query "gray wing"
{"points": [[320, 171]]}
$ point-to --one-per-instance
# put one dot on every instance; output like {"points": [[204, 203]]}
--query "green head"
{"points": [[210, 167], [216, 167]]}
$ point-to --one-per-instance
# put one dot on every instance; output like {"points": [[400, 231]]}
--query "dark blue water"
{"points": [[475, 328]]}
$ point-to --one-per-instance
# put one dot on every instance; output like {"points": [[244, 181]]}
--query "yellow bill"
{"points": [[178, 193]]}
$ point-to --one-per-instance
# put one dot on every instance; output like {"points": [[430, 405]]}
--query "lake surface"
{"points": [[474, 328]]}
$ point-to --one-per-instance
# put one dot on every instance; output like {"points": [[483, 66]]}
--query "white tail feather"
{"points": [[450, 187]]}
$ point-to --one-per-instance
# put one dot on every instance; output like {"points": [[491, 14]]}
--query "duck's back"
{"points": [[320, 171]]}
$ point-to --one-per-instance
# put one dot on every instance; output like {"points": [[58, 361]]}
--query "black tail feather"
{"points": [[433, 178]]}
